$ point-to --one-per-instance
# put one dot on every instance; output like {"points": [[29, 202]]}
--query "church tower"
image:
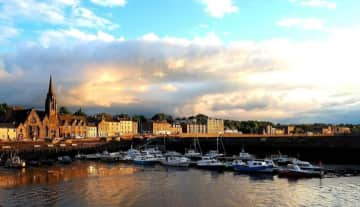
{"points": [[50, 103]]}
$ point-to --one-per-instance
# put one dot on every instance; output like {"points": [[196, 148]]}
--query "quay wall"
{"points": [[330, 149]]}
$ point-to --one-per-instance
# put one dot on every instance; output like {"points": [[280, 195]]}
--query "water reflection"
{"points": [[60, 173], [98, 184]]}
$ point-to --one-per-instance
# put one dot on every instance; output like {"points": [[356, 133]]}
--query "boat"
{"points": [[15, 161], [80, 156], [95, 156], [252, 166], [172, 153], [64, 159], [210, 164], [176, 161], [294, 171], [244, 156], [193, 154], [147, 159], [304, 165], [214, 154], [111, 157]]}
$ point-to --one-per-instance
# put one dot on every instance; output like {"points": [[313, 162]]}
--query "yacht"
{"points": [[172, 153], [176, 161], [95, 156], [210, 164], [130, 155], [252, 166]]}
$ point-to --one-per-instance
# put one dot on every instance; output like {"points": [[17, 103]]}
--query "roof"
{"points": [[71, 118], [7, 125]]}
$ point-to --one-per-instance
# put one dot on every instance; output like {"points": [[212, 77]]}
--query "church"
{"points": [[32, 124]]}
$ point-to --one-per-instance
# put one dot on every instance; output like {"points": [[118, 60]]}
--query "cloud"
{"points": [[218, 9], [316, 3], [109, 3], [8, 32], [303, 23], [56, 12], [274, 79]]}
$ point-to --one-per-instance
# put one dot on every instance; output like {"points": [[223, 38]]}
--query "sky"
{"points": [[287, 61]]}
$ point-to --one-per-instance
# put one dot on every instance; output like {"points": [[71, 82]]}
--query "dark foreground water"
{"points": [[98, 184]]}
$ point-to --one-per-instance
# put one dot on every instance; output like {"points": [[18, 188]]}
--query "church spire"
{"points": [[51, 87], [50, 103]]}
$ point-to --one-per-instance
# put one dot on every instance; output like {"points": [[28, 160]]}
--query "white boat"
{"points": [[252, 166], [245, 156], [130, 155], [15, 161], [304, 165], [172, 153], [147, 159], [80, 156], [111, 157], [95, 156], [176, 161], [210, 164], [214, 154], [193, 154]]}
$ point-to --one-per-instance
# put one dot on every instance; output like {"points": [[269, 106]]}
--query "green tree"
{"points": [[80, 112], [64, 110], [139, 118], [162, 117]]}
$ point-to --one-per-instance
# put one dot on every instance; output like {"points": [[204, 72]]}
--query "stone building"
{"points": [[34, 124]]}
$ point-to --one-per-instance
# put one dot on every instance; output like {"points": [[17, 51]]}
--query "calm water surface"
{"points": [[98, 184]]}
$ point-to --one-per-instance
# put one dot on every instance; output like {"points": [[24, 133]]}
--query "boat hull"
{"points": [[212, 167], [145, 162], [259, 169]]}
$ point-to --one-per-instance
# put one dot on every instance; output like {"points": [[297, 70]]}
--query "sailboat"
{"points": [[215, 153], [194, 154]]}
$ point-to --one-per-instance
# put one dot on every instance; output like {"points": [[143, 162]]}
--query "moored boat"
{"points": [[64, 159], [145, 160], [252, 166], [294, 171], [15, 161], [176, 161], [210, 164]]}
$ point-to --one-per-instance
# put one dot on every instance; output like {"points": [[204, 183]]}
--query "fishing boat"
{"points": [[176, 161], [64, 159], [147, 159], [294, 171], [15, 161], [210, 164], [252, 166]]}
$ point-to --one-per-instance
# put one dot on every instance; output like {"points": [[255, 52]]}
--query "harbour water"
{"points": [[86, 183]]}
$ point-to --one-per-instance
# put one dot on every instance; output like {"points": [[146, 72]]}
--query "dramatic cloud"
{"points": [[274, 79], [303, 23], [316, 3], [218, 8]]}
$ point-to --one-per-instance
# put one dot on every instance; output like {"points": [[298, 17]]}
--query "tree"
{"points": [[139, 118], [162, 117], [122, 116], [64, 110], [80, 112]]}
